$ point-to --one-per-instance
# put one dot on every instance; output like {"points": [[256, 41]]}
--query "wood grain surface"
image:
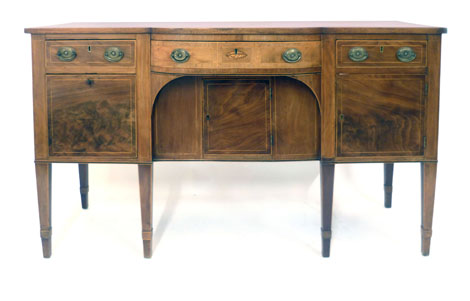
{"points": [[237, 117], [380, 115], [91, 115]]}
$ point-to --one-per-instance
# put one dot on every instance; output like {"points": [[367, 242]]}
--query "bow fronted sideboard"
{"points": [[337, 92]]}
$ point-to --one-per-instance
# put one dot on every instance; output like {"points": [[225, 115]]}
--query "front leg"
{"points": [[146, 204], [428, 187], [327, 176], [83, 175], [43, 181], [388, 182]]}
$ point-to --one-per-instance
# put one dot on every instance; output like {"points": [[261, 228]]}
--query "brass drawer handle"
{"points": [[113, 54], [66, 54], [292, 55], [358, 54], [180, 55], [406, 54]]}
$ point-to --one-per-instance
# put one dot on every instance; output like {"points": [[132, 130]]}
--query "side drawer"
{"points": [[229, 57], [90, 56], [380, 53]]}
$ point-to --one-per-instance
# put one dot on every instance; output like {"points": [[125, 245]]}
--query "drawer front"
{"points": [[92, 115], [230, 57], [380, 53], [86, 56]]}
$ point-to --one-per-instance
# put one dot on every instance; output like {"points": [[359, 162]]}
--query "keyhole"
{"points": [[90, 82], [236, 51], [381, 49], [208, 117], [89, 48]]}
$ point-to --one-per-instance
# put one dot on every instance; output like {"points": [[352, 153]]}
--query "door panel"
{"points": [[177, 121], [237, 117], [297, 121], [380, 115], [91, 115]]}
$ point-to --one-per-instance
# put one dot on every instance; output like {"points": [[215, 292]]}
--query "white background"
{"points": [[233, 231]]}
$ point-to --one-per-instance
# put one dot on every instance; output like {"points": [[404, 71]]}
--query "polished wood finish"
{"points": [[380, 115], [296, 121], [146, 204], [428, 187], [236, 99], [83, 175], [237, 117], [381, 53], [90, 57], [91, 115], [44, 181], [235, 57], [388, 187], [327, 175], [303, 27], [295, 118], [179, 100]]}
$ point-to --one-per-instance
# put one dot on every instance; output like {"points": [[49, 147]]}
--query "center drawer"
{"points": [[226, 57]]}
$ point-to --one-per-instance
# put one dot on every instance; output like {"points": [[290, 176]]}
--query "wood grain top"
{"points": [[305, 27]]}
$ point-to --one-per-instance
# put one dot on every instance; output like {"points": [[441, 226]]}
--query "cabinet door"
{"points": [[237, 117], [91, 115], [380, 115]]}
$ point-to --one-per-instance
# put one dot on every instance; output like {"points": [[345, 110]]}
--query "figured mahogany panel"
{"points": [[297, 121], [237, 116], [380, 115], [177, 121], [91, 115], [380, 53]]}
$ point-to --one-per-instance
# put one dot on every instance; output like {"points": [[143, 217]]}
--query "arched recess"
{"points": [[178, 124]]}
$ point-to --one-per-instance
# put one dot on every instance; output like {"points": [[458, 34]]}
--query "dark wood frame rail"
{"points": [[337, 92]]}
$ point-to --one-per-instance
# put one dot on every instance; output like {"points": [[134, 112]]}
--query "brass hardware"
{"points": [[113, 54], [292, 55], [381, 49], [66, 54], [236, 54], [358, 54], [180, 55], [406, 54]]}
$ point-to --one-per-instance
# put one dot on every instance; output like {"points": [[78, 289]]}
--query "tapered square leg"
{"points": [[388, 184], [327, 174], [146, 205], [428, 187], [83, 174], [43, 181]]}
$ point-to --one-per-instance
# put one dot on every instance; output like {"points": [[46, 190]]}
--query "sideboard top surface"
{"points": [[305, 27]]}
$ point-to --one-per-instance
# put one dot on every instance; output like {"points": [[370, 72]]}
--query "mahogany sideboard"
{"points": [[337, 92]]}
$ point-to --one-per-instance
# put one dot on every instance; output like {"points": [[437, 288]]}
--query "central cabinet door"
{"points": [[237, 118]]}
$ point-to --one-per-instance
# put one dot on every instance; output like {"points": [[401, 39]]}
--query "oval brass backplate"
{"points": [[66, 54], [358, 54], [292, 55], [180, 55], [406, 54], [113, 54]]}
